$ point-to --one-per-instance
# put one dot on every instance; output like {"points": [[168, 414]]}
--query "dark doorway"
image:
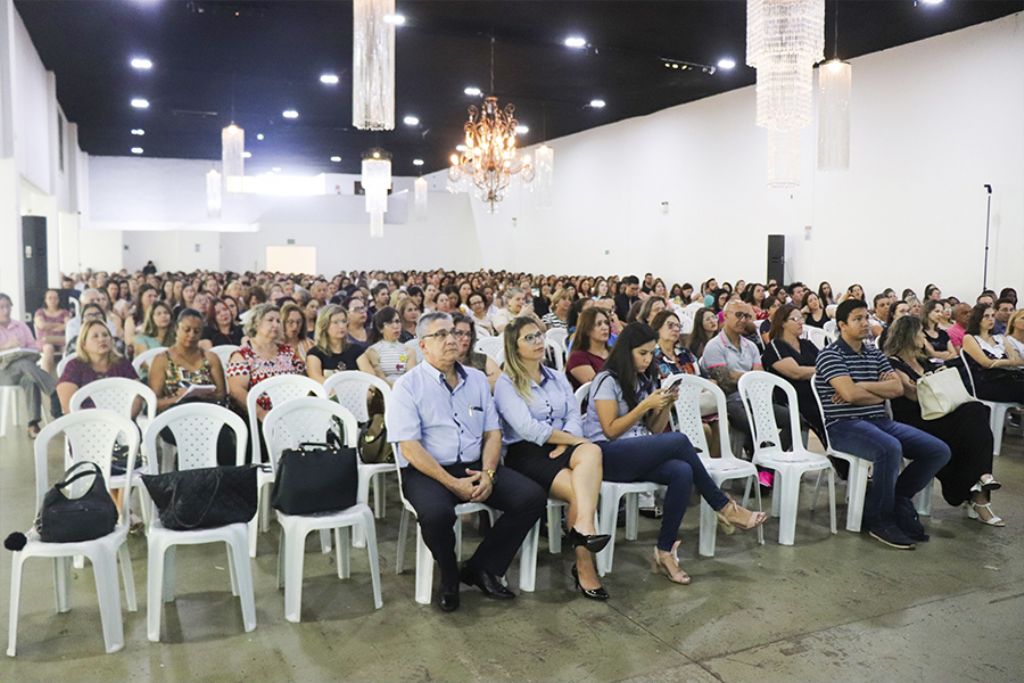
{"points": [[34, 269]]}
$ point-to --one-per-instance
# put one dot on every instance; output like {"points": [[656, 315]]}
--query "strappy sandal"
{"points": [[993, 519], [732, 515], [986, 483], [668, 564]]}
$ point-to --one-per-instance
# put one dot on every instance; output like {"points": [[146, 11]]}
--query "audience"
{"points": [[705, 327], [22, 371], [627, 415], [49, 322], [558, 317], [1015, 332], [793, 358], [627, 296], [967, 477], [478, 313], [854, 381], [220, 328], [543, 432], [95, 358], [589, 348], [185, 365], [996, 367], [157, 329], [386, 357], [465, 337], [956, 332], [443, 420], [936, 339], [293, 325], [814, 311], [331, 351]]}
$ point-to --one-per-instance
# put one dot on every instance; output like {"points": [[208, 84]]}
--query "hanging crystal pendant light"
{"points": [[373, 64], [376, 181], [544, 175], [213, 193], [834, 80], [232, 149], [783, 158], [420, 189]]}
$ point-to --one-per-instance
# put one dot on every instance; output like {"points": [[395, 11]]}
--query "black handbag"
{"points": [[316, 477], [71, 520], [204, 498]]}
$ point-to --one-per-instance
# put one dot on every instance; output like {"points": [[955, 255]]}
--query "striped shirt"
{"points": [[839, 360]]}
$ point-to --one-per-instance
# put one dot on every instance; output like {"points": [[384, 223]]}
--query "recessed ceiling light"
{"points": [[137, 150], [575, 42], [336, 159], [138, 131], [598, 103], [417, 162], [460, 148], [376, 154], [290, 114], [140, 103], [329, 79], [726, 63], [247, 154], [259, 136], [473, 91], [411, 121], [141, 63], [396, 19], [931, 2], [522, 130]]}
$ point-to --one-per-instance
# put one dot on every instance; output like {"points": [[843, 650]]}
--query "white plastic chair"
{"points": [[686, 418], [279, 390], [11, 396], [92, 435], [63, 363], [831, 330], [196, 427], [817, 336], [555, 352], [692, 308], [76, 306], [224, 352], [350, 389], [997, 409], [559, 335], [756, 390], [685, 323], [145, 358], [286, 426], [493, 347], [857, 477]]}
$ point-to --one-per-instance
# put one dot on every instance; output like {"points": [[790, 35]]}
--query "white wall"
{"points": [[931, 123], [170, 250], [32, 144]]}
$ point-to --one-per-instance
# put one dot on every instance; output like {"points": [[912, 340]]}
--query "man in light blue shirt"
{"points": [[443, 420]]}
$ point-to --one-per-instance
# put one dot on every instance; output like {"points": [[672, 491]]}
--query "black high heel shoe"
{"points": [[598, 593], [595, 543]]}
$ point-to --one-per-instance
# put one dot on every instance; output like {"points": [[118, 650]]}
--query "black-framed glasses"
{"points": [[440, 334], [461, 334]]}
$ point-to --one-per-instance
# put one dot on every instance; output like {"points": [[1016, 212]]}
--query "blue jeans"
{"points": [[885, 443], [668, 459]]}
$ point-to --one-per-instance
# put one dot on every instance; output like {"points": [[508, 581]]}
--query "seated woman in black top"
{"points": [[332, 352], [936, 340], [967, 477], [220, 328], [814, 311], [793, 359], [997, 368]]}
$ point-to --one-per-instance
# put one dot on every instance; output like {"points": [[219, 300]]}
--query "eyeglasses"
{"points": [[673, 326], [441, 334], [533, 338], [795, 319], [358, 309], [461, 334], [744, 316], [602, 323]]}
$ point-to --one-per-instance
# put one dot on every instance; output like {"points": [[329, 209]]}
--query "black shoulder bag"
{"points": [[72, 520], [205, 497], [316, 477]]}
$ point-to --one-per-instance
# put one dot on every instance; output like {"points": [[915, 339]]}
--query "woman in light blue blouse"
{"points": [[627, 416], [542, 430]]}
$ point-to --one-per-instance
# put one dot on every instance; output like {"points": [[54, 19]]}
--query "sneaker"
{"points": [[908, 520], [891, 535]]}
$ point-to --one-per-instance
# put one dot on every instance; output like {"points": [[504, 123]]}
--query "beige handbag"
{"points": [[941, 392]]}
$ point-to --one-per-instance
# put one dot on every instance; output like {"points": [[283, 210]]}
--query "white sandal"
{"points": [[994, 520]]}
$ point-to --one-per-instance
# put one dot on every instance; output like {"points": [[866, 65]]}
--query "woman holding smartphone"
{"points": [[627, 415], [185, 365]]}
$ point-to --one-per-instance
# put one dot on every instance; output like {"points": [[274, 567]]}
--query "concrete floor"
{"points": [[840, 608]]}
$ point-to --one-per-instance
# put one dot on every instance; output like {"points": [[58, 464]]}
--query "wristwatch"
{"points": [[490, 473]]}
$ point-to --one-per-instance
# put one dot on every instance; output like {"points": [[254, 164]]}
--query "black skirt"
{"points": [[532, 461]]}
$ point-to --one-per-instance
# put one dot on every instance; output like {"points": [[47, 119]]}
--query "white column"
{"points": [[11, 282]]}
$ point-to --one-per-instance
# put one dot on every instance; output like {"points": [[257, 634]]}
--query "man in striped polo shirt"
{"points": [[854, 381]]}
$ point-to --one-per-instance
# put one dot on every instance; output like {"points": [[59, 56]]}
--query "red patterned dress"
{"points": [[258, 369]]}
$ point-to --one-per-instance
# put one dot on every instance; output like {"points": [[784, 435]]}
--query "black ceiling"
{"points": [[256, 59]]}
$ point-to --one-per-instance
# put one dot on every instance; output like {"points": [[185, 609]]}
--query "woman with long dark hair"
{"points": [[589, 346], [386, 357], [627, 415], [705, 327]]}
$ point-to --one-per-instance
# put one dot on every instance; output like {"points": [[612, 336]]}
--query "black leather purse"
{"points": [[204, 498], [71, 520], [316, 477]]}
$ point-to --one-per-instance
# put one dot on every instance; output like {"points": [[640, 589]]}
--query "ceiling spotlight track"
{"points": [[683, 65]]}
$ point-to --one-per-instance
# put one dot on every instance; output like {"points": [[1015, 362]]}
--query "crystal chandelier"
{"points": [[232, 151], [834, 79], [490, 158], [376, 181], [373, 64], [544, 160], [420, 189]]}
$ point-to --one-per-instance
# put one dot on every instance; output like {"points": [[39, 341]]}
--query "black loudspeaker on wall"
{"points": [[34, 269], [777, 258]]}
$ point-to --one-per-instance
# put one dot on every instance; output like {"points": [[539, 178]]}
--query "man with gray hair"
{"points": [[445, 427], [89, 296]]}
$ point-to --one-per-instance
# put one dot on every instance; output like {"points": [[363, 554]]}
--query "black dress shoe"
{"points": [[449, 601], [595, 543], [489, 584], [598, 593]]}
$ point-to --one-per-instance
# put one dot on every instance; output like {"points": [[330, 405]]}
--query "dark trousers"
{"points": [[669, 459], [885, 443], [520, 500], [738, 419]]}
